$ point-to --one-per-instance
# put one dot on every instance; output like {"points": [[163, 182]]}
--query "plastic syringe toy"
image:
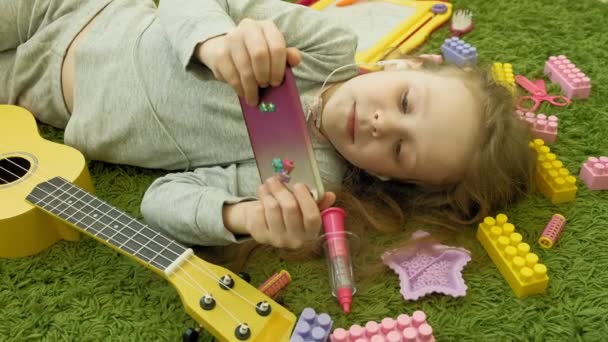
{"points": [[338, 256]]}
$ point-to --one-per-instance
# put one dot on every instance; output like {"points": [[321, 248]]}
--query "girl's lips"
{"points": [[351, 125]]}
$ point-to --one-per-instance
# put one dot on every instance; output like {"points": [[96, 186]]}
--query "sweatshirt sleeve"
{"points": [[190, 22], [14, 16], [324, 45], [187, 206]]}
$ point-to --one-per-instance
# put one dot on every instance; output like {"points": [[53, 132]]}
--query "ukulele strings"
{"points": [[209, 273], [187, 281]]}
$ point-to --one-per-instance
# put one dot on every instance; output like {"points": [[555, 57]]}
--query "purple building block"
{"points": [[312, 327], [456, 51]]}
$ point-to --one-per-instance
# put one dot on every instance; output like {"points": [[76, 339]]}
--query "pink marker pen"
{"points": [[338, 256]]}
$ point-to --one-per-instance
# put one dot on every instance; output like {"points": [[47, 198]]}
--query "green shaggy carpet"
{"points": [[87, 292]]}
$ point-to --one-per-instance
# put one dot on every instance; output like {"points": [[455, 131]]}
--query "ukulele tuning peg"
{"points": [[207, 302], [190, 335], [263, 308], [245, 276], [242, 332], [226, 282]]}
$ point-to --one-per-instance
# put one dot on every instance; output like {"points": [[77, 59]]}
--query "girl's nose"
{"points": [[378, 124]]}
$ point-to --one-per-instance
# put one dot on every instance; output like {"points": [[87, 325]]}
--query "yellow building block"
{"points": [[503, 74], [551, 177], [513, 258]]}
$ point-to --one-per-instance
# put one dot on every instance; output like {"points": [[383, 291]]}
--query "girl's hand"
{"points": [[284, 219], [250, 56]]}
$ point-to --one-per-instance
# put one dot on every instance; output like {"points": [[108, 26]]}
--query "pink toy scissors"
{"points": [[539, 94]]}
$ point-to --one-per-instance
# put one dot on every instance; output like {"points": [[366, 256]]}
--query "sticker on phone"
{"points": [[266, 107], [283, 168]]}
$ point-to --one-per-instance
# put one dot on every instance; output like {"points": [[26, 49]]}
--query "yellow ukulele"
{"points": [[43, 197]]}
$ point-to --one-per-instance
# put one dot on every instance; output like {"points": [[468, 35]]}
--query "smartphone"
{"points": [[279, 136]]}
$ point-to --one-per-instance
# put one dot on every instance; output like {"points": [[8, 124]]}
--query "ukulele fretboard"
{"points": [[96, 217]]}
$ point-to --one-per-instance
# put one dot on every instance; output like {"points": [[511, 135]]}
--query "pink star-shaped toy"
{"points": [[428, 267]]}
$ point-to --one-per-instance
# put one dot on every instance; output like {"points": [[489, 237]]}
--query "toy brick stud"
{"points": [[552, 231], [388, 324]]}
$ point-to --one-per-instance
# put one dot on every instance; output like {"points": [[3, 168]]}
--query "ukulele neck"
{"points": [[106, 223]]}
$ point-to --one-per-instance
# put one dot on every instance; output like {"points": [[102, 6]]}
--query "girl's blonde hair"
{"points": [[500, 173]]}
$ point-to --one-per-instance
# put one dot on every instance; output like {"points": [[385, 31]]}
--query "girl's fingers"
{"points": [[257, 227], [329, 198], [257, 48], [292, 216], [311, 217], [277, 50], [242, 62], [227, 73], [293, 56], [273, 216]]}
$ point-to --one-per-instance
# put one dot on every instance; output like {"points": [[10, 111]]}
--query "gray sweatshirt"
{"points": [[188, 206], [141, 99]]}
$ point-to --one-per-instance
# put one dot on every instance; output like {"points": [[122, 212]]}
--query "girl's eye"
{"points": [[403, 102]]}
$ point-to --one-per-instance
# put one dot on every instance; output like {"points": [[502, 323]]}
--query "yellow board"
{"points": [[27, 161], [551, 177], [513, 258], [387, 28]]}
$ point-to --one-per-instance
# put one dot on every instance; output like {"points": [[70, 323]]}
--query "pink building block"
{"points": [[543, 126], [594, 173], [574, 83], [403, 329]]}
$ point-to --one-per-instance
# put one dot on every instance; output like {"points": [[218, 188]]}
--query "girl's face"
{"points": [[409, 125]]}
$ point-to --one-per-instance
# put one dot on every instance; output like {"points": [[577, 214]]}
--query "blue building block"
{"points": [[456, 51], [312, 327]]}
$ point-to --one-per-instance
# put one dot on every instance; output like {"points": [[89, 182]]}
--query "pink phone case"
{"points": [[279, 136]]}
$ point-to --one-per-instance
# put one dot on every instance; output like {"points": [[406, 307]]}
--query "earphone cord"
{"points": [[317, 105]]}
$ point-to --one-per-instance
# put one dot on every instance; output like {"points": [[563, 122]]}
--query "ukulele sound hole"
{"points": [[12, 169]]}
